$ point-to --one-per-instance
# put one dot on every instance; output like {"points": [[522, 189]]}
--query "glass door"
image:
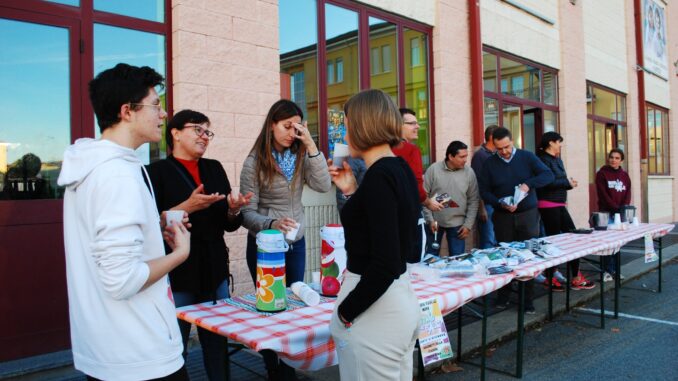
{"points": [[512, 117], [39, 99]]}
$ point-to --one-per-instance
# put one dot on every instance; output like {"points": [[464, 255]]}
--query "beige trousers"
{"points": [[379, 344]]}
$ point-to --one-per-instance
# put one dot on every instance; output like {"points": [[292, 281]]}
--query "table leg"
{"points": [[617, 284], [659, 270], [549, 273], [602, 294], [521, 326], [484, 340], [459, 316], [567, 289], [227, 363], [421, 374]]}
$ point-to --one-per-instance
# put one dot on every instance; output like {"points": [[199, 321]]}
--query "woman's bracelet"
{"points": [[234, 214], [316, 155]]}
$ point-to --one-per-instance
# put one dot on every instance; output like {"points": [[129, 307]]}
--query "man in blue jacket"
{"points": [[500, 175]]}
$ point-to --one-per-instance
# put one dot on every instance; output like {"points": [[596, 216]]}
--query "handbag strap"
{"points": [[183, 175]]}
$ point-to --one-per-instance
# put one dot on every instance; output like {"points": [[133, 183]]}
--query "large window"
{"points": [[658, 140], [519, 95], [606, 111], [49, 53], [345, 47]]}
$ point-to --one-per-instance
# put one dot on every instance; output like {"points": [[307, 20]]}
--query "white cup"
{"points": [[315, 277], [617, 219], [291, 234], [635, 222], [174, 215], [305, 293], [340, 154]]}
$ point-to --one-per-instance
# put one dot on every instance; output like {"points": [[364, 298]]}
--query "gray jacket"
{"points": [[462, 186], [280, 199]]}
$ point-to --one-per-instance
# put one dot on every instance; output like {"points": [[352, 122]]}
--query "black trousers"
{"points": [[556, 221], [518, 226]]}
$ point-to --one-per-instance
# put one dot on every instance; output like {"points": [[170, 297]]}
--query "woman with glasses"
{"points": [[284, 158], [187, 181]]}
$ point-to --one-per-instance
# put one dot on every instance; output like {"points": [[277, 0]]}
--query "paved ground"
{"points": [[640, 345]]}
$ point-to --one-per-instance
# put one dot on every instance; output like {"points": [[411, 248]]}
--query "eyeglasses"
{"points": [[157, 107], [201, 131], [412, 123]]}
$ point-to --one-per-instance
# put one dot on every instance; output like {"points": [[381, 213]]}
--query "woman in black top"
{"points": [[552, 203], [377, 313], [187, 181]]}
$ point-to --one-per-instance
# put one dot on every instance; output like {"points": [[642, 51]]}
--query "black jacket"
{"points": [[556, 191], [207, 264]]}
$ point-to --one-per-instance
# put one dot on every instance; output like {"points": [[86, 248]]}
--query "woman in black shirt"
{"points": [[377, 313]]}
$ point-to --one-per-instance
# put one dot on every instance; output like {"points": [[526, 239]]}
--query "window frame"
{"points": [[666, 147], [85, 16], [364, 13], [501, 98]]}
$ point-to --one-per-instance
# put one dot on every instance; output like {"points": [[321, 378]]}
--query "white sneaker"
{"points": [[607, 277]]}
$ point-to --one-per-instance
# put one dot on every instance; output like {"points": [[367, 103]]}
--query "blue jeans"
{"points": [[295, 260], [486, 229], [214, 346], [455, 245]]}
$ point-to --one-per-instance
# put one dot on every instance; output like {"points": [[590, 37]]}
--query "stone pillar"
{"points": [[225, 64], [572, 103]]}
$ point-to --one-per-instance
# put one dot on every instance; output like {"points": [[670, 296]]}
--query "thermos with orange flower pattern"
{"points": [[271, 290]]}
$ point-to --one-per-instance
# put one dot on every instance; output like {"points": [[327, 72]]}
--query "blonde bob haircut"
{"points": [[372, 119]]}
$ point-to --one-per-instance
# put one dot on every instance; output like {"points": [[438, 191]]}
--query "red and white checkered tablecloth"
{"points": [[573, 246], [301, 337]]}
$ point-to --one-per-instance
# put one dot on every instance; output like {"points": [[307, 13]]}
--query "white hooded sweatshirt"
{"points": [[111, 228]]}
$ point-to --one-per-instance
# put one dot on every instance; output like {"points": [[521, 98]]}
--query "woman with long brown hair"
{"points": [[283, 159]]}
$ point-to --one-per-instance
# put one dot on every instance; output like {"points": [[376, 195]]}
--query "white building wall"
{"points": [[605, 43], [506, 27], [657, 90], [421, 10]]}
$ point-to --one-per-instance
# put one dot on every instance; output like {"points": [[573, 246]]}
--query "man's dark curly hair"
{"points": [[114, 87]]}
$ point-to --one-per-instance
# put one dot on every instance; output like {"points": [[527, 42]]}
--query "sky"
{"points": [[35, 71]]}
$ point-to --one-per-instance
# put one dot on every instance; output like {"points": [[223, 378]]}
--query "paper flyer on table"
{"points": [[650, 255], [434, 343]]}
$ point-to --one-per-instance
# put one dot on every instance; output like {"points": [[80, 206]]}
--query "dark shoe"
{"points": [[529, 310], [501, 305]]}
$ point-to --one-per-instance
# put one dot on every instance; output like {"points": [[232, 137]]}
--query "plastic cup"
{"points": [[174, 215], [315, 277], [305, 293], [340, 154], [291, 234]]}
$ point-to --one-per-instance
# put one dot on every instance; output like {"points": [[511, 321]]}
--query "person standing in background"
{"points": [[552, 204], [502, 173], [485, 211], [613, 187], [451, 177]]}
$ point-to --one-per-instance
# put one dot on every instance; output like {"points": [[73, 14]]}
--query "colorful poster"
{"points": [[655, 55], [434, 344], [336, 129]]}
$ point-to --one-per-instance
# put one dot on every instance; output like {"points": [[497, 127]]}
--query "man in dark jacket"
{"points": [[613, 186], [485, 227], [500, 175]]}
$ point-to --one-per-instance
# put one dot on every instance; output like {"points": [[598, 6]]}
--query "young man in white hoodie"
{"points": [[123, 319]]}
